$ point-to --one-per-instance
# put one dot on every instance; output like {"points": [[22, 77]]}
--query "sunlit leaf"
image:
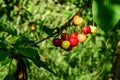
{"points": [[106, 13]]}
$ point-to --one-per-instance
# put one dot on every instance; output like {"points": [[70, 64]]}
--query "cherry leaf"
{"points": [[106, 13]]}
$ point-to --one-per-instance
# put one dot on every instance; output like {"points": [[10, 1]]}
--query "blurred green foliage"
{"points": [[91, 60]]}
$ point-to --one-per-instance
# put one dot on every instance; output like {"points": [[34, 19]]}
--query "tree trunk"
{"points": [[116, 64], [21, 71]]}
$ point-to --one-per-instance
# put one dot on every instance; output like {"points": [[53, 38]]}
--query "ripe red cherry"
{"points": [[74, 35], [57, 42], [64, 36], [68, 49], [73, 41], [86, 29]]}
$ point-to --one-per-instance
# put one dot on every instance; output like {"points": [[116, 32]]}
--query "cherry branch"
{"points": [[65, 26]]}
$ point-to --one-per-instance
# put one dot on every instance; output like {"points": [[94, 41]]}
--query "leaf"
{"points": [[27, 52], [5, 62], [9, 77], [106, 13], [48, 30], [23, 40], [1, 28], [3, 43], [40, 63], [3, 55], [7, 29], [12, 39]]}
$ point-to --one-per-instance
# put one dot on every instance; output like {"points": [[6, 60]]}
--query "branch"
{"points": [[65, 26]]}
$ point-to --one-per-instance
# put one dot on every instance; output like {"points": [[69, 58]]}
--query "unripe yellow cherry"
{"points": [[93, 29], [65, 44]]}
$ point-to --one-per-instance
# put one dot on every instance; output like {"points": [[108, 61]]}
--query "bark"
{"points": [[116, 64], [21, 71]]}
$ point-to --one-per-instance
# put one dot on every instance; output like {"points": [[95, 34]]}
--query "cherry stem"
{"points": [[65, 26]]}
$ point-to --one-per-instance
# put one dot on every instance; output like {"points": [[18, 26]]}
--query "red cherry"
{"points": [[64, 36], [57, 42], [68, 49], [86, 29], [74, 35], [73, 41]]}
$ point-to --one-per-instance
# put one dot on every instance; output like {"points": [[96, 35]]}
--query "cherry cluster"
{"points": [[68, 41]]}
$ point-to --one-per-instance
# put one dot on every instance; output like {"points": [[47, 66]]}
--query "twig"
{"points": [[66, 25], [32, 44]]}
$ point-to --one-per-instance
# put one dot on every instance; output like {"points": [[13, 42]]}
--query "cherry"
{"points": [[77, 20], [68, 49], [74, 35], [57, 42], [93, 29], [65, 44], [64, 36], [73, 41], [81, 37], [33, 27], [86, 29]]}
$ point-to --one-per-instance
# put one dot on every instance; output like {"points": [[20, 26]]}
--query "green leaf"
{"points": [[27, 52], [23, 40], [7, 29], [12, 39], [5, 62], [106, 13], [48, 30], [3, 55], [9, 77], [3, 43], [40, 63]]}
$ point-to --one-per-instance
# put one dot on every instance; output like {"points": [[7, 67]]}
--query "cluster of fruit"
{"points": [[68, 41]]}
